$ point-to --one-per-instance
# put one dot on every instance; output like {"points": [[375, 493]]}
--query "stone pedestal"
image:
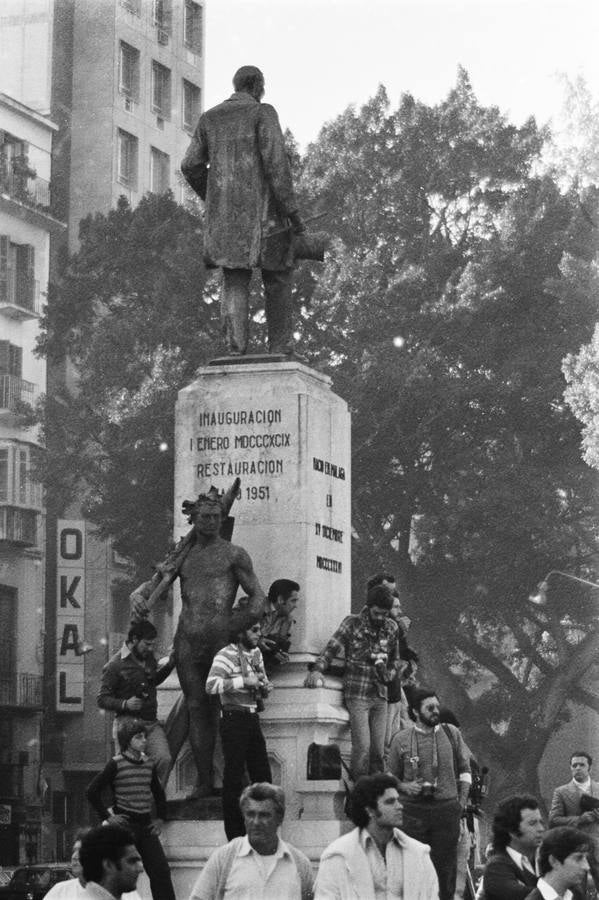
{"points": [[278, 427]]}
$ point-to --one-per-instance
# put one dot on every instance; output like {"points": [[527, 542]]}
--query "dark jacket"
{"points": [[566, 809], [237, 163], [503, 880], [124, 676]]}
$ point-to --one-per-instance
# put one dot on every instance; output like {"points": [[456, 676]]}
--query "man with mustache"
{"points": [[432, 764]]}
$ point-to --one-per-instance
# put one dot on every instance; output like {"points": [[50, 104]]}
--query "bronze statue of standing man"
{"points": [[238, 164]]}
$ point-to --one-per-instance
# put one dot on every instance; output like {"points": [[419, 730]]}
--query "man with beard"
{"points": [[74, 888], [110, 862], [432, 764], [128, 688], [376, 858], [238, 677], [368, 642]]}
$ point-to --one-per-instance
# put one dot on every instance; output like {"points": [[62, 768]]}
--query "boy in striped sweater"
{"points": [[237, 676], [132, 779]]}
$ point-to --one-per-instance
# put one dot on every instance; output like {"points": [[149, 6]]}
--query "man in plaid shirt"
{"points": [[369, 643]]}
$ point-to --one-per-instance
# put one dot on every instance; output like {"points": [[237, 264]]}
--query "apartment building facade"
{"points": [[123, 80], [27, 227]]}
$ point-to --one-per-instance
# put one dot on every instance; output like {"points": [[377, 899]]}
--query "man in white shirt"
{"points": [[259, 865], [376, 861], [563, 864], [74, 889], [576, 805], [110, 862]]}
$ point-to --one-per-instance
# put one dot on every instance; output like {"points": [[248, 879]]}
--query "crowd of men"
{"points": [[411, 787], [376, 859]]}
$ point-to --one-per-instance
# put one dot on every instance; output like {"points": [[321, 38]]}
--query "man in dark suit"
{"points": [[518, 831], [572, 804], [563, 864]]}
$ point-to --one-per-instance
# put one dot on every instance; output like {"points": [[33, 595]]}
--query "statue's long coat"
{"points": [[238, 165]]}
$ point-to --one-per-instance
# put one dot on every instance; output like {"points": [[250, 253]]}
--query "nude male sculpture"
{"points": [[210, 570]]}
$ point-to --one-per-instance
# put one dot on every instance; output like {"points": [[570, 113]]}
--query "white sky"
{"points": [[319, 56]]}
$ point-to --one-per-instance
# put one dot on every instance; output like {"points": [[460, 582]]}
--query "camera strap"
{"points": [[415, 756]]}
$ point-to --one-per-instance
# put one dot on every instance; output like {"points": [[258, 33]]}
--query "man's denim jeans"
{"points": [[367, 721]]}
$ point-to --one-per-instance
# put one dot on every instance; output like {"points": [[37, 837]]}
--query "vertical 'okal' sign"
{"points": [[70, 614]]}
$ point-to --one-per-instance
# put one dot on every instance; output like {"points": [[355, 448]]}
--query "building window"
{"points": [[162, 20], [127, 159], [192, 101], [17, 485], [159, 171], [8, 609], [18, 286], [161, 90], [192, 26], [4, 475], [129, 71], [13, 387]]}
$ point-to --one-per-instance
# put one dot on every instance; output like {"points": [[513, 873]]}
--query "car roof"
{"points": [[48, 865]]}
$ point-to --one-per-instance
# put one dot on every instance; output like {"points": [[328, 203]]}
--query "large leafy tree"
{"points": [[459, 282], [134, 316], [582, 394]]}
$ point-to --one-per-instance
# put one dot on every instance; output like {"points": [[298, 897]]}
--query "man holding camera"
{"points": [[432, 764], [369, 643], [238, 677]]}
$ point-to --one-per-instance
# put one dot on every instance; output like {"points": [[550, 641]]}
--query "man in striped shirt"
{"points": [[238, 677], [132, 778]]}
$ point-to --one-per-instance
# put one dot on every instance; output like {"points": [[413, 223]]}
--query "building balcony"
{"points": [[22, 299], [30, 190], [14, 390], [18, 526], [21, 690]]}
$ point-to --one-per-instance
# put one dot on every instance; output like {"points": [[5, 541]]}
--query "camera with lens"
{"points": [[427, 790]]}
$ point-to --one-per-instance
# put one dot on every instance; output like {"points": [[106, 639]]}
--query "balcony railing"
{"points": [[22, 299], [34, 191], [21, 689], [13, 389], [18, 526]]}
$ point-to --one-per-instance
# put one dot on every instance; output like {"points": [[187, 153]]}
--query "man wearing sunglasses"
{"points": [[238, 677]]}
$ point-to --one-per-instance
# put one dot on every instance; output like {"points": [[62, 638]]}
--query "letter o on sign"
{"points": [[71, 543]]}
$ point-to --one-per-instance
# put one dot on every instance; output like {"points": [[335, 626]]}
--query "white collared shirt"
{"points": [[549, 893], [387, 872], [264, 878], [521, 860], [584, 787]]}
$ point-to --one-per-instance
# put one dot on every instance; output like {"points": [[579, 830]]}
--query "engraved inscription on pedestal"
{"points": [[280, 429]]}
